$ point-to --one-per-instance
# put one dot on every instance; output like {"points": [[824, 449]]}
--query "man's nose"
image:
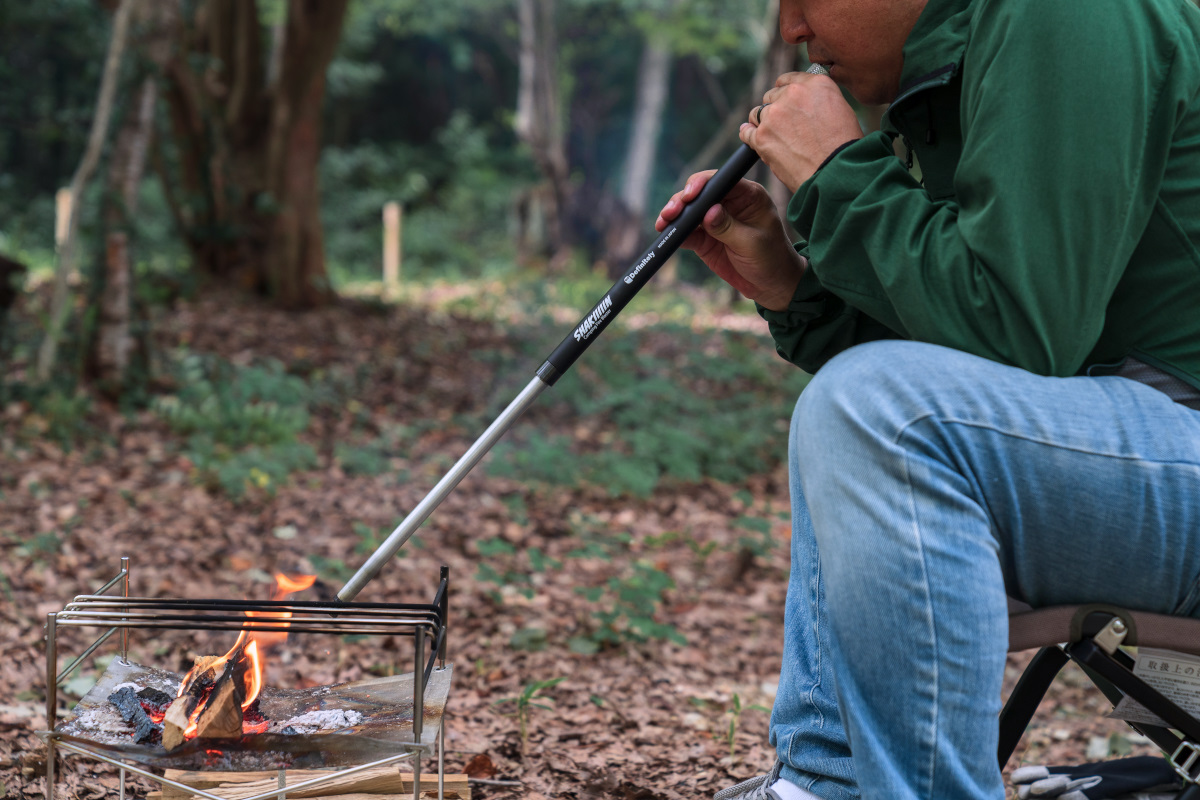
{"points": [[792, 25]]}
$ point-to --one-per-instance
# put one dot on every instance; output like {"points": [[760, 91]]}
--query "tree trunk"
{"points": [[625, 239], [48, 351], [295, 263], [113, 343], [538, 120], [248, 133]]}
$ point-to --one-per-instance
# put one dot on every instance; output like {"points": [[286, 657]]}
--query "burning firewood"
{"points": [[211, 706], [175, 723], [221, 717], [202, 707]]}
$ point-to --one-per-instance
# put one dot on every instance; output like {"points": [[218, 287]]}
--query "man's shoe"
{"points": [[754, 788]]}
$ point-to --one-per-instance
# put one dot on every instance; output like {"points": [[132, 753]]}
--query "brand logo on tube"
{"points": [[640, 266], [598, 315]]}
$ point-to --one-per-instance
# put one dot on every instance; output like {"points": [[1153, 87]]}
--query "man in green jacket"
{"points": [[1007, 358]]}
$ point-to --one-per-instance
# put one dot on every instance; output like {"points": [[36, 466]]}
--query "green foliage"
{"points": [[331, 570], [757, 538], [235, 406], [512, 572], [595, 540], [369, 538], [53, 54], [549, 460], [372, 458], [626, 608], [700, 414], [57, 413], [241, 423], [456, 192], [529, 699], [735, 714], [236, 472]]}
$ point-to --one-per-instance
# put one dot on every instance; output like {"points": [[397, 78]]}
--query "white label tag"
{"points": [[1174, 675]]}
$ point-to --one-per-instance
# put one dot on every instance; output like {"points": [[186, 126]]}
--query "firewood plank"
{"points": [[175, 723], [222, 714], [374, 783]]}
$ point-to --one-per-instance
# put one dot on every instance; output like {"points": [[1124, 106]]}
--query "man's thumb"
{"points": [[718, 222]]}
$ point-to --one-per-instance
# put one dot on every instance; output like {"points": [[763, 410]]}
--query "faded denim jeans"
{"points": [[926, 484]]}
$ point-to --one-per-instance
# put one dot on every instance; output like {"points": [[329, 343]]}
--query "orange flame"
{"points": [[248, 645]]}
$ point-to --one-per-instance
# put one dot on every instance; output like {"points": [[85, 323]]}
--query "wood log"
{"points": [[377, 784], [221, 717], [175, 722]]}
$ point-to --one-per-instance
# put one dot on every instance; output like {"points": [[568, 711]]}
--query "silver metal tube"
{"points": [[62, 676], [51, 701], [418, 706], [442, 757], [125, 631], [70, 748], [418, 515]]}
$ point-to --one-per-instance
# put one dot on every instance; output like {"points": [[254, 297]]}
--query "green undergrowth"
{"points": [[659, 405], [627, 592], [680, 413], [240, 424]]}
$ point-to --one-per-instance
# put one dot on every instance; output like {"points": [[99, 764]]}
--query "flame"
{"points": [[285, 585], [247, 647]]}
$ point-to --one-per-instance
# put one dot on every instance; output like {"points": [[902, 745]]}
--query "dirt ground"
{"points": [[632, 721]]}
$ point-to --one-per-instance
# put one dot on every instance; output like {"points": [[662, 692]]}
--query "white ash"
{"points": [[137, 687], [101, 720], [326, 720]]}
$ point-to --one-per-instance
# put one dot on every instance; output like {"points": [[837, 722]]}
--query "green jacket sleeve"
{"points": [[817, 325], [1055, 184]]}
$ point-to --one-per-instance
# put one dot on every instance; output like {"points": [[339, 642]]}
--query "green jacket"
{"points": [[1057, 225]]}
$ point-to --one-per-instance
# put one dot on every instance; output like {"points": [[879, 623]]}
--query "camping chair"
{"points": [[1092, 636]]}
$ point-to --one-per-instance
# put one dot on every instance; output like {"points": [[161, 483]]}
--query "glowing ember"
{"points": [[246, 649]]}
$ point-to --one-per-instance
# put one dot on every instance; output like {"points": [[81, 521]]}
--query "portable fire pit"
{"points": [[352, 729]]}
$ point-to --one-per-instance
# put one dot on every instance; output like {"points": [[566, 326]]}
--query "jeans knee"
{"points": [[871, 392], [845, 389]]}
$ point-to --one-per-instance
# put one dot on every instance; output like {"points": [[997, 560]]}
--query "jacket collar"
{"points": [[934, 50]]}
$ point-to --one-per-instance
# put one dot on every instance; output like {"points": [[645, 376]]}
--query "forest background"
{"points": [[203, 370]]}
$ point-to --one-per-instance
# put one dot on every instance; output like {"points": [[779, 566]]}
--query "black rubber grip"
{"points": [[643, 269]]}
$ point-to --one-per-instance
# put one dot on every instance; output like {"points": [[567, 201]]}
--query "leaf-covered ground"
{"points": [[548, 581]]}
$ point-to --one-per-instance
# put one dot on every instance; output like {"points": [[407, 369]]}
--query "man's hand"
{"points": [[742, 240], [804, 119]]}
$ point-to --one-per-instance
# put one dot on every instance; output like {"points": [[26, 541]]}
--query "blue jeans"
{"points": [[926, 484]]}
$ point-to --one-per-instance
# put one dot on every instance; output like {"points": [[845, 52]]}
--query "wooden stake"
{"points": [[392, 255], [62, 216]]}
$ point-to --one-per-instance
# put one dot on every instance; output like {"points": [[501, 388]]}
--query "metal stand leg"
{"points": [[51, 699], [125, 591], [442, 758], [418, 708]]}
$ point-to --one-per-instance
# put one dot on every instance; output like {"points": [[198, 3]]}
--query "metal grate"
{"points": [[424, 624]]}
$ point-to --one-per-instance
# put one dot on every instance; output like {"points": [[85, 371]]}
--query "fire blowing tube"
{"points": [[578, 340]]}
